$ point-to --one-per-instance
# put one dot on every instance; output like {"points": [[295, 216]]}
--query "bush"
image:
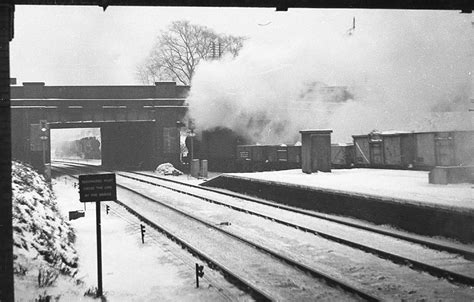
{"points": [[46, 277], [93, 292], [19, 269], [46, 298]]}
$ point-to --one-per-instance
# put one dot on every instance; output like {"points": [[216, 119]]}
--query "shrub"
{"points": [[46, 277]]}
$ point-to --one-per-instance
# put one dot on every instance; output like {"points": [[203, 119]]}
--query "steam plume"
{"points": [[400, 70]]}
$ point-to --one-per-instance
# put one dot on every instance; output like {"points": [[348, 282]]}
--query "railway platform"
{"points": [[399, 198]]}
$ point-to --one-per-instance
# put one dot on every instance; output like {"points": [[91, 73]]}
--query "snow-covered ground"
{"points": [[398, 185], [158, 270]]}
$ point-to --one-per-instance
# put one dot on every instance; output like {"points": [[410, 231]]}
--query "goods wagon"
{"points": [[282, 157], [227, 152], [251, 157], [361, 150], [342, 155], [398, 149], [294, 157], [419, 150], [449, 148], [268, 157], [390, 149]]}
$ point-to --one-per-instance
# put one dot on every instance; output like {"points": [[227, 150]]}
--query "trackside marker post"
{"points": [[97, 188], [142, 231], [199, 273]]}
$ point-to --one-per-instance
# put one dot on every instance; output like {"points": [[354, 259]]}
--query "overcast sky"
{"points": [[84, 45]]}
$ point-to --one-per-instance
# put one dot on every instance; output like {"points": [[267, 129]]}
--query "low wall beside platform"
{"points": [[412, 217]]}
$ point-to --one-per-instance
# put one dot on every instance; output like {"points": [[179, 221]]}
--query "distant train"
{"points": [[85, 148], [227, 152]]}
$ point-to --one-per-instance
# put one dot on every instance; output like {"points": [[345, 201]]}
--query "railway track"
{"points": [[465, 275], [429, 242], [269, 275], [451, 274], [436, 244]]}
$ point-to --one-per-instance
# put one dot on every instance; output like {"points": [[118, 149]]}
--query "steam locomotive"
{"points": [[85, 148]]}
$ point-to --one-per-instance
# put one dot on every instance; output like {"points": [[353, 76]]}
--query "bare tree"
{"points": [[180, 48]]}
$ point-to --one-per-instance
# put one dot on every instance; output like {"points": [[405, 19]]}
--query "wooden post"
{"points": [[197, 276], [199, 273], [99, 251]]}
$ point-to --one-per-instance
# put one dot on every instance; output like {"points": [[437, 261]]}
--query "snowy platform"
{"points": [[397, 185], [400, 198]]}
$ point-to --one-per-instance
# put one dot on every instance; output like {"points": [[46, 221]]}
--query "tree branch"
{"points": [[180, 49]]}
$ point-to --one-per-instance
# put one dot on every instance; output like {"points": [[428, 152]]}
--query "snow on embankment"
{"points": [[43, 239]]}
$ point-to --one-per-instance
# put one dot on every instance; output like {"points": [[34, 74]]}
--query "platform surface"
{"points": [[398, 185]]}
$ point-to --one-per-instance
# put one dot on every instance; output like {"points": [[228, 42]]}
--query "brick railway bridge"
{"points": [[137, 123]]}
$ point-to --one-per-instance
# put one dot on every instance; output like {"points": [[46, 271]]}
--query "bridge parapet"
{"points": [[35, 90]]}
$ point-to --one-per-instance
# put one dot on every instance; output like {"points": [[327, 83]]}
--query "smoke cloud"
{"points": [[395, 71]]}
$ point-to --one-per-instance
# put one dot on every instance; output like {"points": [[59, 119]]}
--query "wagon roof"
{"points": [[396, 132], [384, 133]]}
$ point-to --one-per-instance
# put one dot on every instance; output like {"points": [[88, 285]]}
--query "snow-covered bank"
{"points": [[44, 256]]}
